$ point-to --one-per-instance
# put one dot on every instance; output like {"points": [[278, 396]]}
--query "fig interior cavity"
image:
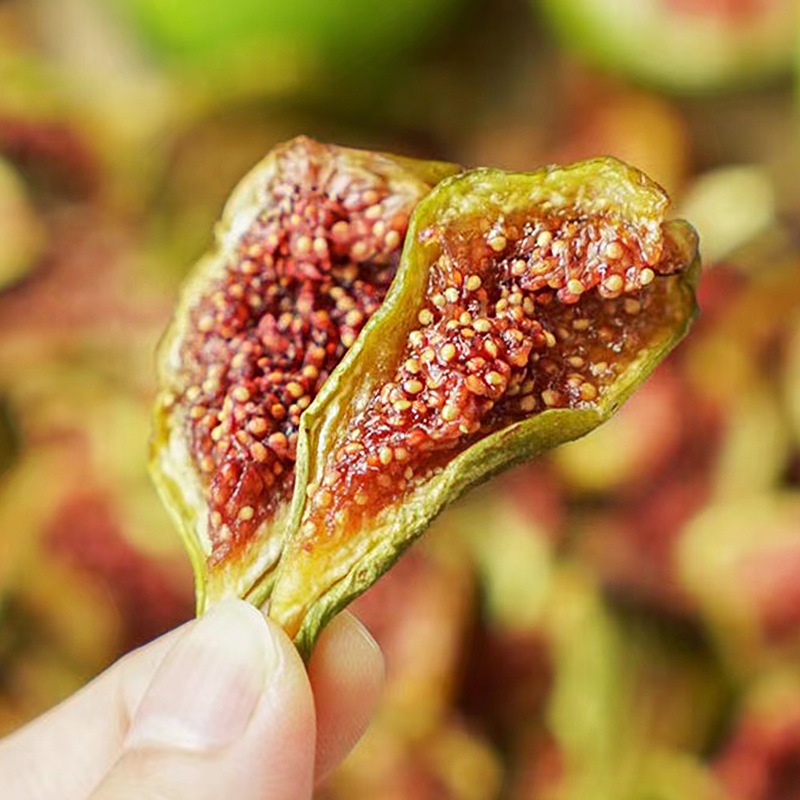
{"points": [[520, 316]]}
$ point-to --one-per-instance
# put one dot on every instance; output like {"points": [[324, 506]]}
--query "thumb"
{"points": [[229, 713]]}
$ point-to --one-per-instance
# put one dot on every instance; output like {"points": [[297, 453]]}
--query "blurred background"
{"points": [[620, 620]]}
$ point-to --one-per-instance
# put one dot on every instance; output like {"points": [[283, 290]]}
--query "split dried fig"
{"points": [[306, 250], [526, 309]]}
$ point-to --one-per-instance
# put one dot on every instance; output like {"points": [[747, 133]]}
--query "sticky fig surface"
{"points": [[306, 250], [526, 309]]}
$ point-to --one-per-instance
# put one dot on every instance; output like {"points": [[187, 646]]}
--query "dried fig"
{"points": [[525, 310]]}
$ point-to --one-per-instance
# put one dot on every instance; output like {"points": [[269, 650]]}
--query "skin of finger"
{"points": [[274, 758], [64, 753], [347, 675]]}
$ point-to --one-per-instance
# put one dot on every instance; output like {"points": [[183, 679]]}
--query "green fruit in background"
{"points": [[685, 46], [211, 35]]}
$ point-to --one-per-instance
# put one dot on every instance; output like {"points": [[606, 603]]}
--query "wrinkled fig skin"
{"points": [[526, 308], [307, 248]]}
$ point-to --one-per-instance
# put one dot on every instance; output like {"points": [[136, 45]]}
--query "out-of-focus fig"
{"points": [[686, 46], [22, 236]]}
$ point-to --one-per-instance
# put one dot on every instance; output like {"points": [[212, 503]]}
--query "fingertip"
{"points": [[347, 674]]}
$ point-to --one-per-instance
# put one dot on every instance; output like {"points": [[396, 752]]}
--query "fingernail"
{"points": [[360, 639], [346, 645], [204, 693]]}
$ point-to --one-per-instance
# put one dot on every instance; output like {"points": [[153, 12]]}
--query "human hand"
{"points": [[221, 707]]}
